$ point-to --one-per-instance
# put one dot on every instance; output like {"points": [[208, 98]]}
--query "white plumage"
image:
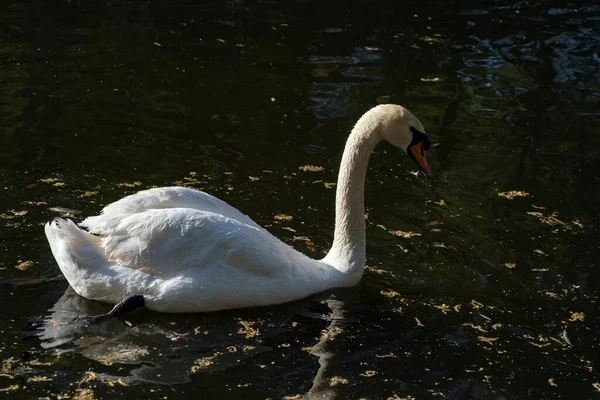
{"points": [[187, 251]]}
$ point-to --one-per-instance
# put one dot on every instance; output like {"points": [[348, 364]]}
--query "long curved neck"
{"points": [[348, 251]]}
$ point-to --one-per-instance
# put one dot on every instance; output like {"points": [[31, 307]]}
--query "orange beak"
{"points": [[417, 153]]}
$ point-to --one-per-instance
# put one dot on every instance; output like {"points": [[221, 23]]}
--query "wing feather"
{"points": [[160, 199], [169, 242]]}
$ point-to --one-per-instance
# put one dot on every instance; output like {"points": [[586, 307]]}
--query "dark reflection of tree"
{"points": [[38, 39]]}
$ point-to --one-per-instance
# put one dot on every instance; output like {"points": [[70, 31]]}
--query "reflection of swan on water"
{"points": [[166, 348], [181, 250], [330, 360], [321, 388], [113, 342]]}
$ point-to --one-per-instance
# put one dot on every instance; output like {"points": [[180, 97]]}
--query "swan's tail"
{"points": [[77, 253]]}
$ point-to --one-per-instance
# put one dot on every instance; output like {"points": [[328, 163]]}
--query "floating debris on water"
{"points": [[513, 194]]}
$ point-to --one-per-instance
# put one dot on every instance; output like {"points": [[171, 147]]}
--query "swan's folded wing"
{"points": [[160, 198], [168, 242]]}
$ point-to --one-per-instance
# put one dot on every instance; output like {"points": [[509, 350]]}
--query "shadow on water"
{"points": [[481, 283]]}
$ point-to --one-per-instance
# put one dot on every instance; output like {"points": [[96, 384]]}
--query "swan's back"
{"points": [[161, 198]]}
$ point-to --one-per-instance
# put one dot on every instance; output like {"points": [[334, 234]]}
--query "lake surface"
{"points": [[482, 283]]}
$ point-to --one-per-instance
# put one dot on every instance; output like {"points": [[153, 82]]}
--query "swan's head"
{"points": [[402, 129]]}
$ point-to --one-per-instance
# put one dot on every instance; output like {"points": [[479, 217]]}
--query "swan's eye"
{"points": [[419, 137], [426, 143]]}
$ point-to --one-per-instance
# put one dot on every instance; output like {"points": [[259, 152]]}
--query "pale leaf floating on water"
{"points": [[369, 374], [248, 329], [10, 388], [89, 193], [198, 331], [551, 382], [35, 203], [485, 316], [119, 381], [406, 235], [577, 316], [476, 305], [486, 339], [202, 363], [18, 213], [303, 238], [540, 345], [50, 180], [577, 223], [444, 308], [330, 333], [557, 341], [24, 265], [476, 327], [378, 270], [311, 168], [551, 219], [389, 293], [283, 217], [430, 79], [337, 380], [293, 397], [39, 379], [512, 194], [565, 337], [130, 185]]}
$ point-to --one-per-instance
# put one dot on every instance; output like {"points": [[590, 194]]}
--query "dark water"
{"points": [[496, 297]]}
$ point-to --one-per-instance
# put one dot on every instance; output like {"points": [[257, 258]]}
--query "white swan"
{"points": [[176, 249]]}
